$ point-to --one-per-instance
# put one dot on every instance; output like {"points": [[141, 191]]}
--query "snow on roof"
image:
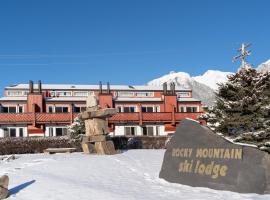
{"points": [[13, 98], [137, 99], [187, 99], [90, 87], [66, 99]]}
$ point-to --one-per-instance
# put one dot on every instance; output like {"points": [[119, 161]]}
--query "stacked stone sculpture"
{"points": [[97, 139], [4, 180]]}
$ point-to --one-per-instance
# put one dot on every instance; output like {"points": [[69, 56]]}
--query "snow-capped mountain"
{"points": [[202, 86], [212, 77], [264, 67]]}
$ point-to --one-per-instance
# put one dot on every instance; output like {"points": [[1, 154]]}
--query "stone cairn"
{"points": [[97, 139], [4, 180]]}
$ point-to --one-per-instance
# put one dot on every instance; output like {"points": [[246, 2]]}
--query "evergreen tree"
{"points": [[242, 107], [77, 129]]}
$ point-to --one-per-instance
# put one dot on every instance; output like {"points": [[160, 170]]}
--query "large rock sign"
{"points": [[198, 157]]}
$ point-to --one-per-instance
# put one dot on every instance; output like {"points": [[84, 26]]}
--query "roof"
{"points": [[90, 87], [13, 98], [187, 99], [137, 99]]}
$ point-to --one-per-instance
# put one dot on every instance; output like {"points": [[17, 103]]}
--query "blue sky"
{"points": [[126, 41]]}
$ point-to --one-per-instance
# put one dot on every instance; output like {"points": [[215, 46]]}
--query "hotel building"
{"points": [[47, 109]]}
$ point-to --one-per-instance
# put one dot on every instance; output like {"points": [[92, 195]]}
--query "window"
{"points": [[21, 132], [61, 109], [12, 132], [148, 130], [8, 109], [130, 130], [147, 109], [189, 109], [125, 94], [129, 109], [144, 94], [119, 109], [82, 93], [157, 130], [183, 94], [50, 109], [60, 94], [50, 132], [20, 109], [15, 93], [182, 109], [78, 109], [60, 131]]}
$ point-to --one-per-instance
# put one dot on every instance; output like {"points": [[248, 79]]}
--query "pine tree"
{"points": [[242, 107], [77, 129]]}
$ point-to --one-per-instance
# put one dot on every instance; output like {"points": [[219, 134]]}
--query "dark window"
{"points": [[58, 109], [12, 132], [119, 109], [147, 109], [21, 132], [5, 109], [129, 109], [58, 131], [12, 109], [191, 109], [50, 109], [77, 109], [130, 130], [20, 109], [144, 130], [182, 109], [61, 109], [65, 109], [148, 131]]}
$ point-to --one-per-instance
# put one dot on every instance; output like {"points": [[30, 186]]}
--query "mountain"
{"points": [[264, 67], [212, 77], [202, 86]]}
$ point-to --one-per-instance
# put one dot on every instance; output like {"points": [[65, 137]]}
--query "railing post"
{"points": [[71, 113], [140, 114], [173, 115]]}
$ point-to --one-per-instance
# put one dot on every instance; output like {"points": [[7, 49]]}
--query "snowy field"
{"points": [[130, 175]]}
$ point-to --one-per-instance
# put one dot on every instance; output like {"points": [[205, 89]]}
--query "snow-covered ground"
{"points": [[130, 175]]}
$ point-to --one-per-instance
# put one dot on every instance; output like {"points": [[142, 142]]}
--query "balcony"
{"points": [[67, 118]]}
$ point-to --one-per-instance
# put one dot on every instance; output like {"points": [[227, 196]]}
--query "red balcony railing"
{"points": [[66, 118]]}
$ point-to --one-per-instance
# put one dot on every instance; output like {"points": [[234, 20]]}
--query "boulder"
{"points": [[198, 157], [4, 181]]}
